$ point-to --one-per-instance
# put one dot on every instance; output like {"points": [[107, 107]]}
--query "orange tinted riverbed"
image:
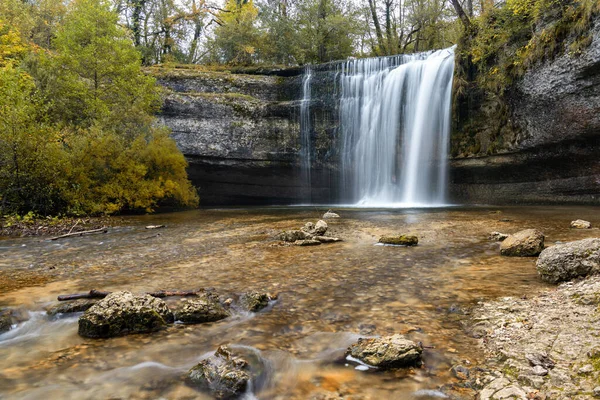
{"points": [[329, 295]]}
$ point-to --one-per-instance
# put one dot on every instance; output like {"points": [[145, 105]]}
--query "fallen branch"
{"points": [[104, 229], [73, 227], [97, 294]]}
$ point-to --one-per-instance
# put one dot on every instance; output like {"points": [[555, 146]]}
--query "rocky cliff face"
{"points": [[241, 136], [239, 133], [546, 148]]}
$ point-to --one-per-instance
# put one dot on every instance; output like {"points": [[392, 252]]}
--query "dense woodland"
{"points": [[77, 127]]}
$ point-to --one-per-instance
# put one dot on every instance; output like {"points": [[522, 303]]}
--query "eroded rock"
{"points": [[526, 243], [317, 229], [387, 352], [223, 374], [569, 260], [581, 224], [292, 236], [254, 301], [74, 306], [327, 239], [404, 240], [123, 313], [204, 308]]}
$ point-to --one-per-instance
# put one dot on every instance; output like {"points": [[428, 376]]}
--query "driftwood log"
{"points": [[104, 229], [97, 294]]}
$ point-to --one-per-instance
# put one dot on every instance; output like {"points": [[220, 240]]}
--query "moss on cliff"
{"points": [[493, 55]]}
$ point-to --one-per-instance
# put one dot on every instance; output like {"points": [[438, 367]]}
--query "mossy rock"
{"points": [[5, 321], [254, 301], [402, 240]]}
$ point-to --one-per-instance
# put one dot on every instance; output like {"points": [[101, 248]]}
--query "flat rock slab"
{"points": [[387, 352], [526, 243], [307, 242], [570, 260], [581, 224], [123, 313]]}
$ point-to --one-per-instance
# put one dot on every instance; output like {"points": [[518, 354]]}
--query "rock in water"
{"points": [[254, 301], [122, 313], [330, 214], [527, 243], [71, 307], [317, 229], [204, 308], [292, 236], [320, 228], [5, 321], [566, 261], [308, 242], [387, 352], [497, 236], [581, 224], [327, 239], [404, 240], [223, 374]]}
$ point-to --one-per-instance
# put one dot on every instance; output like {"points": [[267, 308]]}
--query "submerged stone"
{"points": [[254, 301], [224, 375], [74, 306], [387, 352], [570, 260], [526, 243], [203, 308], [123, 313], [404, 240]]}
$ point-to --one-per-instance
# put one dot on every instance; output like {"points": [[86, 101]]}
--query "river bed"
{"points": [[329, 296]]}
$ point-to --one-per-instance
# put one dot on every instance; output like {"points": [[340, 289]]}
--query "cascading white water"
{"points": [[305, 131], [394, 128]]}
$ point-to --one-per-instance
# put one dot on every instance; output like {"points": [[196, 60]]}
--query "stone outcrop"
{"points": [[387, 352], [526, 243], [203, 308], [123, 313], [223, 374], [567, 261]]}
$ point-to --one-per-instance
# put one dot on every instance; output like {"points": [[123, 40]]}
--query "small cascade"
{"points": [[305, 132], [394, 128]]}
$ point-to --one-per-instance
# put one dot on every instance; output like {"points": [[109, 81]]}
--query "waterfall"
{"points": [[305, 132], [394, 126]]}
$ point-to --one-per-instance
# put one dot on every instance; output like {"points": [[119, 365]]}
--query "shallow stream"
{"points": [[329, 296]]}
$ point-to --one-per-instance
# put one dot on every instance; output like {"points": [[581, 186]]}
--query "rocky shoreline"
{"points": [[11, 226]]}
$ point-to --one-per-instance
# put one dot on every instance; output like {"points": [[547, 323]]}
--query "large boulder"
{"points": [[581, 224], [527, 243], [387, 352], [5, 321], [317, 229], [569, 260], [403, 240], [123, 313], [222, 374], [203, 308]]}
